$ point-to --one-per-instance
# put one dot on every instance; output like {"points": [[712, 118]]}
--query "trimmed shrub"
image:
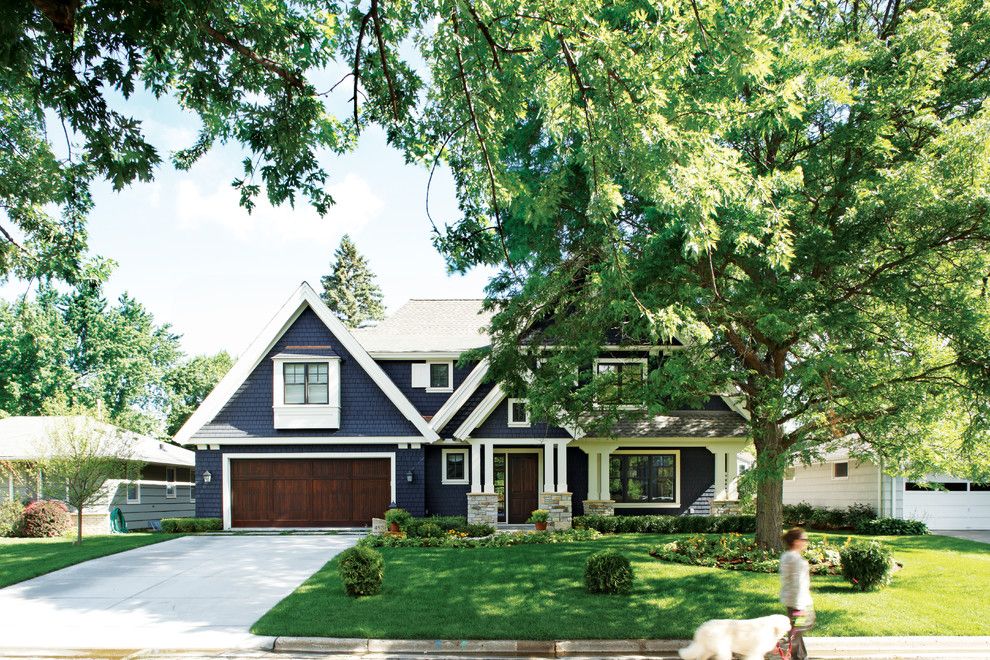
{"points": [[191, 525], [11, 513], [608, 572], [361, 570], [867, 566], [491, 541], [892, 527], [478, 530], [667, 524], [44, 518], [428, 530], [826, 519], [458, 524]]}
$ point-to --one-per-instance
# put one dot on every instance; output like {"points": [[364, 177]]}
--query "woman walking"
{"points": [[795, 590]]}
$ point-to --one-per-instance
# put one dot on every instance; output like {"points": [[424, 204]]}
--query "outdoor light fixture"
{"points": [[206, 477], [409, 476]]}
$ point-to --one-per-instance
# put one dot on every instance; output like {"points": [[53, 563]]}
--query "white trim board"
{"points": [[460, 396], [304, 296], [276, 456], [215, 443]]}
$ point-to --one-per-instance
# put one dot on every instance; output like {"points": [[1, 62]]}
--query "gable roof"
{"points": [[26, 438], [303, 297], [429, 326], [460, 396]]}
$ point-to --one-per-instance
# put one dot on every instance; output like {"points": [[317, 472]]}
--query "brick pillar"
{"points": [[599, 507], [560, 508], [482, 508]]}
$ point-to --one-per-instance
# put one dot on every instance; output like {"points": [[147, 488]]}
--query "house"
{"points": [[165, 488], [318, 426], [839, 480]]}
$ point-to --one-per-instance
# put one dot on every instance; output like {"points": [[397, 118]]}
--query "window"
{"points": [[840, 470], [789, 474], [518, 413], [170, 482], [133, 493], [455, 466], [307, 384], [941, 486], [644, 478], [625, 378], [977, 487], [441, 376]]}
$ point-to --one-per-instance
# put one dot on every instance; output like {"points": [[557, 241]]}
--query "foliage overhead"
{"points": [[350, 290]]}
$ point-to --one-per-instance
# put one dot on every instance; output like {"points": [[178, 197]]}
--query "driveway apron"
{"points": [[196, 592]]}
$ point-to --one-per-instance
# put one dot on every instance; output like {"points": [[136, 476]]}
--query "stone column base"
{"points": [[599, 507], [725, 508], [560, 508], [482, 508]]}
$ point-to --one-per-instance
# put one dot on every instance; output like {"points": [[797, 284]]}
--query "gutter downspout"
{"points": [[880, 488]]}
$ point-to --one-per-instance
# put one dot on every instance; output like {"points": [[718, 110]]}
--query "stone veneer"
{"points": [[482, 508], [725, 508], [599, 507], [559, 506]]}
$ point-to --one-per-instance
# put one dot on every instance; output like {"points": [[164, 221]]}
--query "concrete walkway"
{"points": [[195, 592], [983, 536]]}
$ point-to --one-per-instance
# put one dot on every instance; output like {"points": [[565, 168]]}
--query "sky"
{"points": [[217, 274]]}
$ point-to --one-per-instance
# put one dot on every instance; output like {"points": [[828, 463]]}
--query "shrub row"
{"points": [[823, 518], [892, 527], [667, 524], [740, 553], [492, 541], [438, 526], [189, 525]]}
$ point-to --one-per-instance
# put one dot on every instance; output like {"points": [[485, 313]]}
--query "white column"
{"points": [[603, 476], [719, 474], [489, 467], [593, 476], [475, 467], [548, 467], [562, 467], [732, 476]]}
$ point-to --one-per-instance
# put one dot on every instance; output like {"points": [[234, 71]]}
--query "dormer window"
{"points": [[306, 391], [434, 376]]}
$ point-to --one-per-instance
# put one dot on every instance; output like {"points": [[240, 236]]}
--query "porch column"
{"points": [[489, 467], [475, 467], [603, 476], [593, 476], [732, 476], [548, 467], [720, 459], [562, 467]]}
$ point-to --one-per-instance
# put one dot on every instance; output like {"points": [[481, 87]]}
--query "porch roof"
{"points": [[684, 424]]}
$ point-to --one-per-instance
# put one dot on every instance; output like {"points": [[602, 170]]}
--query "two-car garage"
{"points": [[308, 491], [947, 503]]}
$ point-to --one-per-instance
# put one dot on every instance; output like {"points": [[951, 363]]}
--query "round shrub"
{"points": [[608, 572], [428, 530], [11, 513], [867, 566], [44, 518], [361, 570]]}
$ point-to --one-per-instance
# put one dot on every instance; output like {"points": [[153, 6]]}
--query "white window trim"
{"points": [[651, 505], [306, 415], [513, 423], [834, 477], [455, 482], [127, 493], [170, 483], [790, 474], [450, 375], [225, 470], [641, 361]]}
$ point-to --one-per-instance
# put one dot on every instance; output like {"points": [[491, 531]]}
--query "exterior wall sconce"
{"points": [[409, 476], [207, 477]]}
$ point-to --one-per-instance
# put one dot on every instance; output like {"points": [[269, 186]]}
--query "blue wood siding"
{"points": [[497, 426], [444, 500], [427, 403], [364, 408]]}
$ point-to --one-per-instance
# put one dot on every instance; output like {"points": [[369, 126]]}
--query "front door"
{"points": [[522, 479]]}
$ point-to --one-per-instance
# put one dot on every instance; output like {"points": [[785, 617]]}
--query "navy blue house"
{"points": [[320, 426]]}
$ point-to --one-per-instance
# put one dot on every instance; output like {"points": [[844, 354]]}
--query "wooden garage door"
{"points": [[309, 492]]}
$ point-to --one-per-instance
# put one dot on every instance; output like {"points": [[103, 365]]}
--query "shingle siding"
{"points": [[364, 408], [427, 403], [443, 500], [497, 426]]}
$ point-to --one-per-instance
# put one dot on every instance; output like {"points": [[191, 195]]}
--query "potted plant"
{"points": [[539, 518], [397, 519]]}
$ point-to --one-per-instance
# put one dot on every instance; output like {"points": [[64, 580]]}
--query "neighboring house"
{"points": [[166, 488], [841, 480], [318, 426]]}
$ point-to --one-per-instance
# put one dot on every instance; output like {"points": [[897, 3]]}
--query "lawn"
{"points": [[536, 592], [23, 559]]}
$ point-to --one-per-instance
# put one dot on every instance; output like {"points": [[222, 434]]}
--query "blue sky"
{"points": [[188, 252]]}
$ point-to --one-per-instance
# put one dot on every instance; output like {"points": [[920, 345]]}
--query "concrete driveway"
{"points": [[982, 536], [196, 592]]}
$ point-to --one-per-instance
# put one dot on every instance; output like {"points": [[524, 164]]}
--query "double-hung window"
{"points": [[622, 380], [644, 478], [455, 466], [306, 384]]}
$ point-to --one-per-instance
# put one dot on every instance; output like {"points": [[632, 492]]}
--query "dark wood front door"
{"points": [[521, 483], [309, 492]]}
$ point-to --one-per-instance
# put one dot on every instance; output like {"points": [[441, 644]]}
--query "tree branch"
{"points": [[383, 55], [290, 77], [357, 66]]}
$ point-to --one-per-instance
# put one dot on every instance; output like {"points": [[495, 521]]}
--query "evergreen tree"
{"points": [[350, 290]]}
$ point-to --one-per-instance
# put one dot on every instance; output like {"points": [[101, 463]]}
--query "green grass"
{"points": [[23, 559], [537, 592]]}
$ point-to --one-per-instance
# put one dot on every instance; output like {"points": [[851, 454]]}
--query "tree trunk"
{"points": [[770, 513], [79, 515]]}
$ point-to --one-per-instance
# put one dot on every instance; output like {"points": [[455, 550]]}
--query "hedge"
{"points": [[190, 525], [892, 527], [667, 524], [493, 541], [427, 527], [827, 519]]}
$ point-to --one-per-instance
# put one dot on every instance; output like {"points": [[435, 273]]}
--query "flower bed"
{"points": [[455, 539], [740, 553]]}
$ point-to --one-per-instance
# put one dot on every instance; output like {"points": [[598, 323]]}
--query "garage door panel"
{"points": [[373, 469], [292, 469], [371, 498], [949, 510], [332, 469], [332, 501], [253, 501], [291, 501], [248, 469]]}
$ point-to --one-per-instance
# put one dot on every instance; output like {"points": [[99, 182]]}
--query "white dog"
{"points": [[751, 638]]}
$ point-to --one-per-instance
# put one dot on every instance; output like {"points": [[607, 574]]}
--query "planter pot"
{"points": [[541, 526], [393, 527]]}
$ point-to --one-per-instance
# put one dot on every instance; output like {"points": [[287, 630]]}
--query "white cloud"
{"points": [[356, 205]]}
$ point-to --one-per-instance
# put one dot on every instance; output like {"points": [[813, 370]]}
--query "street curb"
{"points": [[838, 647]]}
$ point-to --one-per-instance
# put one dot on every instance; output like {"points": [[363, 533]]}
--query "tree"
{"points": [[350, 290], [86, 455], [188, 383]]}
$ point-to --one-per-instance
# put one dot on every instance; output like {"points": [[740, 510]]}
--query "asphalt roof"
{"points": [[686, 424], [429, 325]]}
